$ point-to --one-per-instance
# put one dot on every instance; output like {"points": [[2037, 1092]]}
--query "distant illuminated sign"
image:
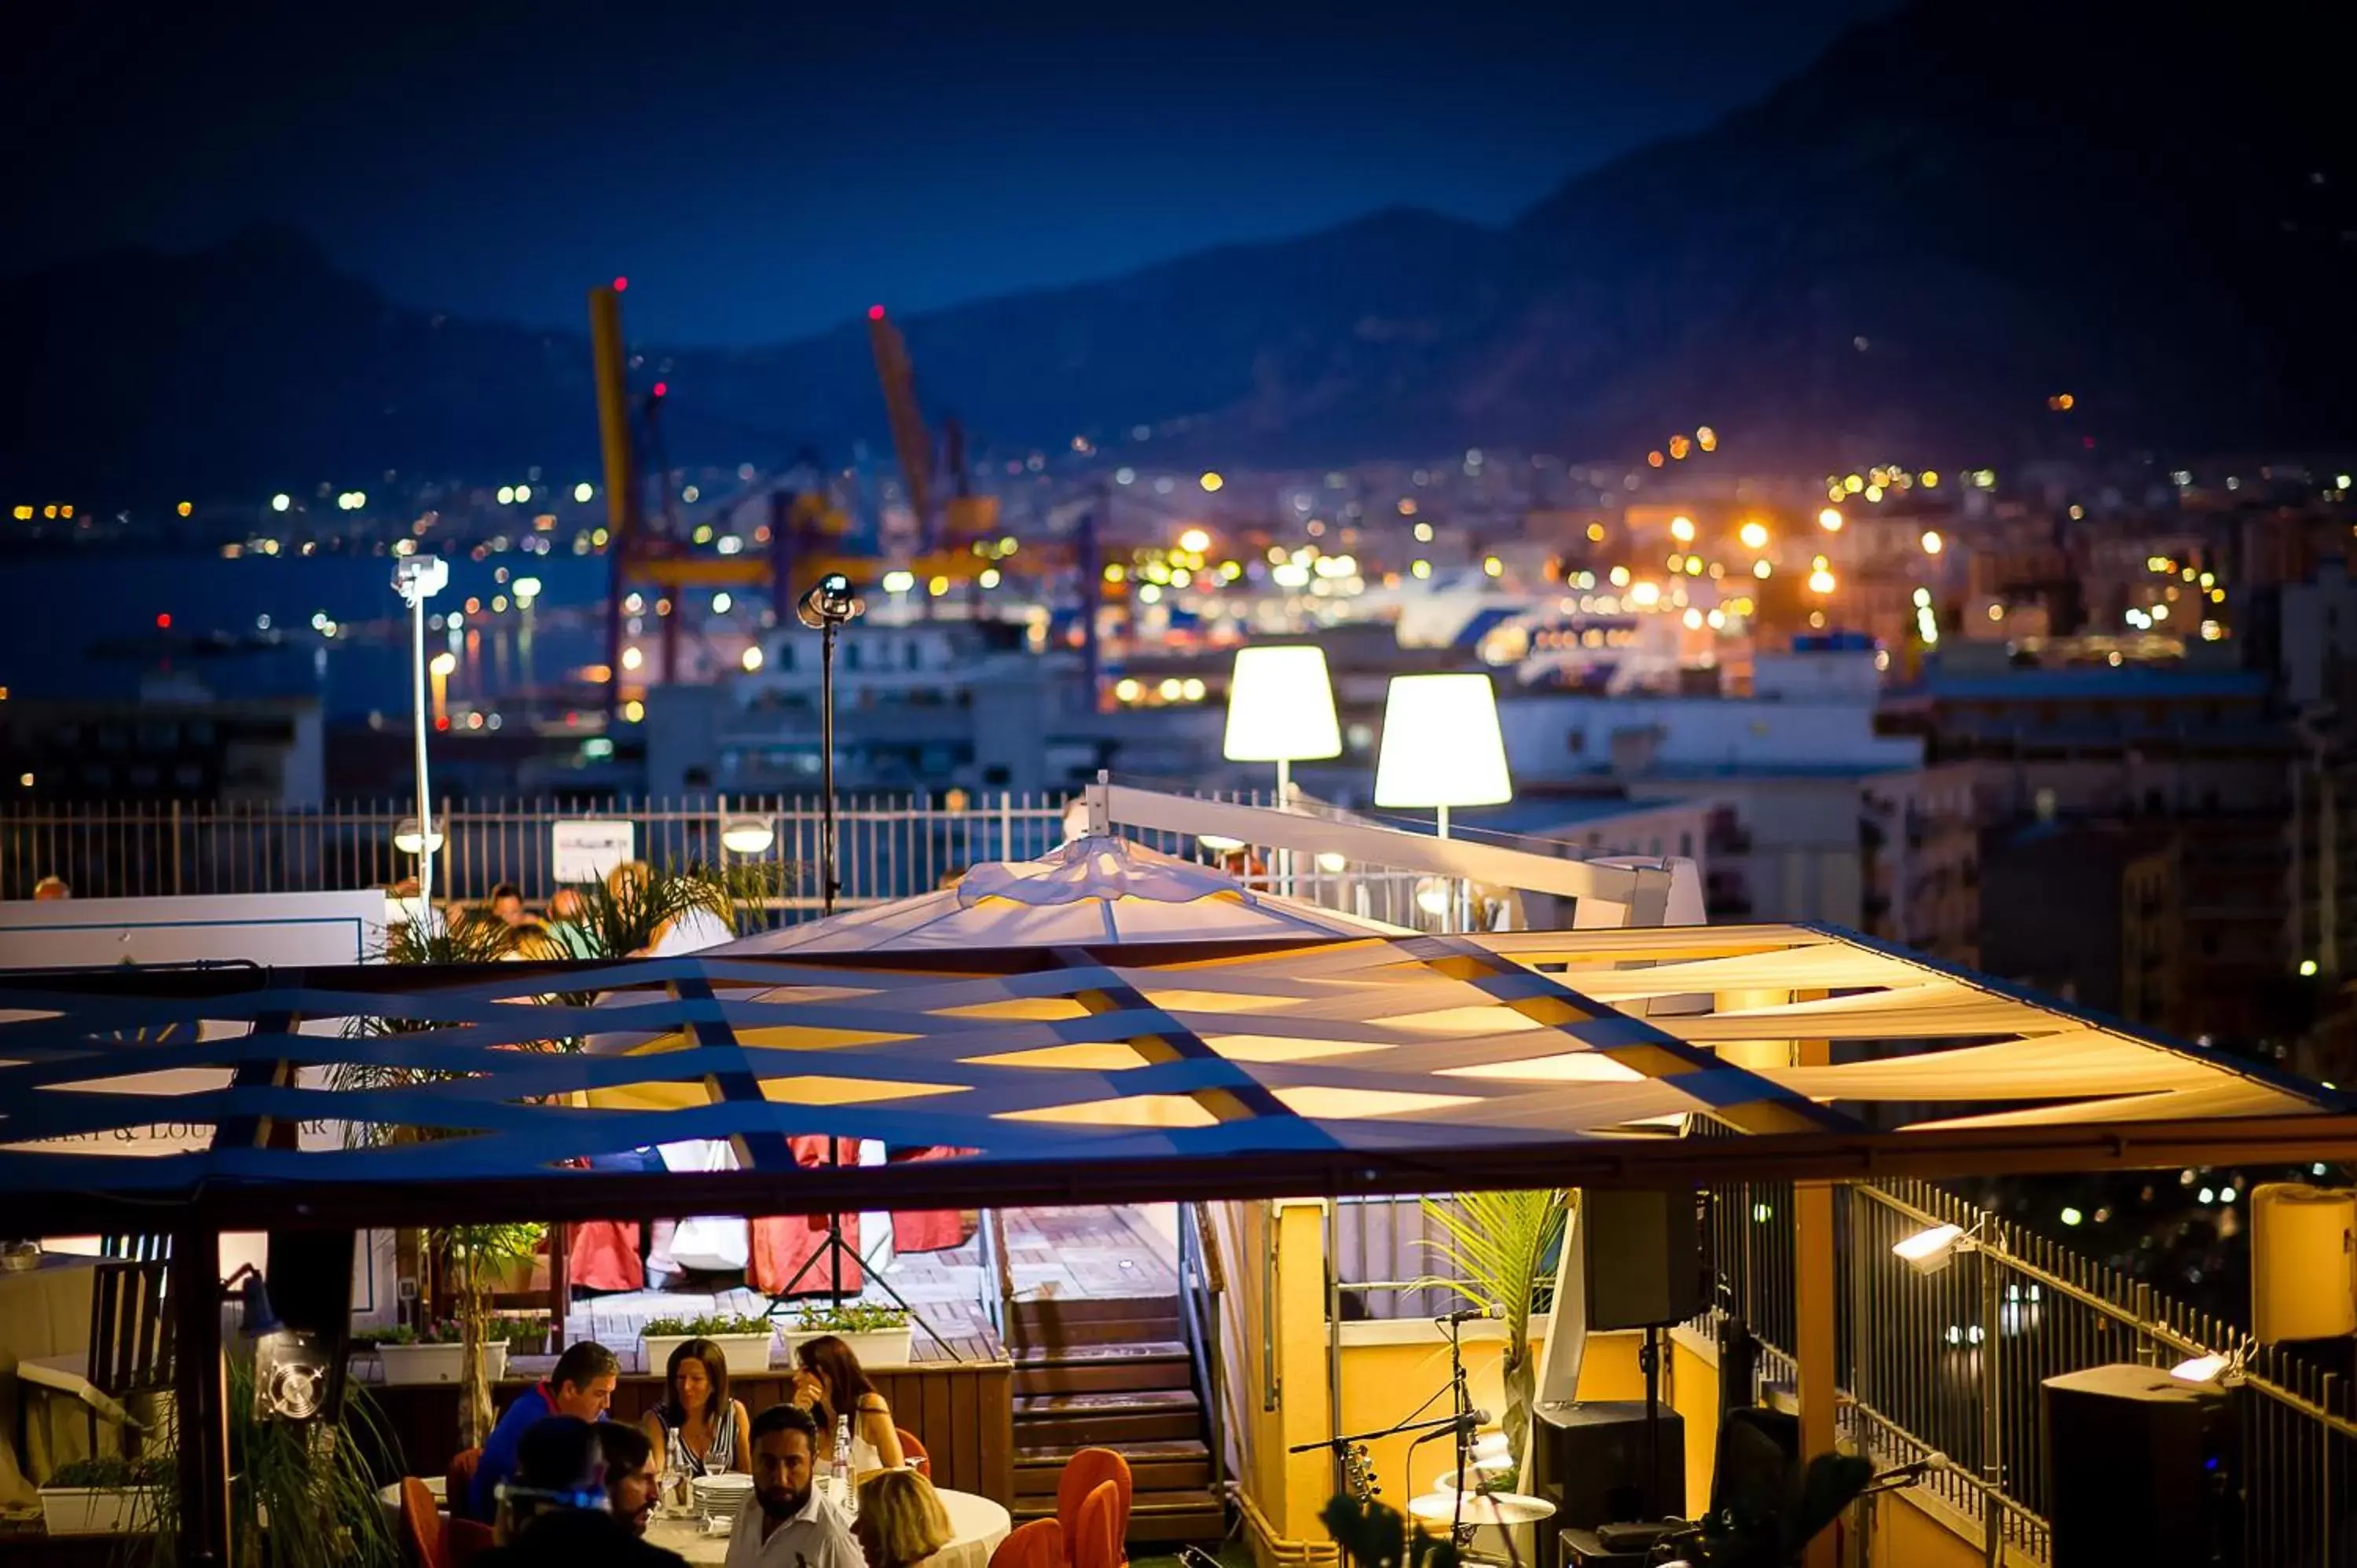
{"points": [[586, 850]]}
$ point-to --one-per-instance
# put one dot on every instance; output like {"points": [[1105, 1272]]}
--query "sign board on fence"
{"points": [[586, 850]]}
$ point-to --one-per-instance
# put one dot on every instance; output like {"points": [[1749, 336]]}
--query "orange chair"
{"points": [[912, 1449], [458, 1481], [1083, 1473], [421, 1526], [1100, 1542], [1040, 1544], [467, 1537]]}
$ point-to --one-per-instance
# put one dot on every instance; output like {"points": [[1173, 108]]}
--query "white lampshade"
{"points": [[747, 835], [408, 840], [1281, 707], [1442, 745]]}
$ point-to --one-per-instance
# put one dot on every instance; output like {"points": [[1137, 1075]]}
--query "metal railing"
{"points": [[891, 847], [1203, 1289], [1952, 1362], [1383, 1266]]}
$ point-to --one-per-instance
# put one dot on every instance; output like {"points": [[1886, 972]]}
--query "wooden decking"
{"points": [[1055, 1254]]}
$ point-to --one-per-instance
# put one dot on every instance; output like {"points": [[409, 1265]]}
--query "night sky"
{"points": [[761, 172]]}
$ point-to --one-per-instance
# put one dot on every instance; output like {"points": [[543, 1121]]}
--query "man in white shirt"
{"points": [[795, 1526]]}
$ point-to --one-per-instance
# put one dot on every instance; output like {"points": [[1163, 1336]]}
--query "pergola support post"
{"points": [[201, 1397], [1813, 1293]]}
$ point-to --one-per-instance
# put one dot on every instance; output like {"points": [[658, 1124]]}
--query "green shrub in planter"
{"points": [[713, 1325], [853, 1317]]}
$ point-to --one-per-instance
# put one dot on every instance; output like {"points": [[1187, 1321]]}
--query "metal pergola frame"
{"points": [[716, 1034]]}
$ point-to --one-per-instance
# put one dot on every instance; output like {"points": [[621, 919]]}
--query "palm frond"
{"points": [[1494, 1245], [627, 914]]}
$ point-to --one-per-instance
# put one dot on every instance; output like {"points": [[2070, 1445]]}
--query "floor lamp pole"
{"points": [[827, 884]]}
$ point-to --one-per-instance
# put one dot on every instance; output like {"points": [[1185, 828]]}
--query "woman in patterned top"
{"points": [[697, 1425]]}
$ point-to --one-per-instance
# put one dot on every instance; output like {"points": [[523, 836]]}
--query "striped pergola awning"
{"points": [[1087, 1073]]}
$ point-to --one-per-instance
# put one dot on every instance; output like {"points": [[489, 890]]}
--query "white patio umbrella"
{"points": [[1091, 890]]}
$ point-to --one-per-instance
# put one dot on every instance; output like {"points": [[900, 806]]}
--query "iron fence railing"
{"points": [[1383, 1256], [889, 846], [1952, 1362]]}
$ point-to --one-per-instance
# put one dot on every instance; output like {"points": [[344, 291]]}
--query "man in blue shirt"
{"points": [[582, 1386]]}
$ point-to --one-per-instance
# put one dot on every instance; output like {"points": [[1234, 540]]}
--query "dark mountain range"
{"points": [[1907, 249]]}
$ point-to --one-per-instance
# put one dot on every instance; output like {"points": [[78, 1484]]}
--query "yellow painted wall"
{"points": [[1301, 1368], [1694, 1392], [1384, 1384], [1906, 1536]]}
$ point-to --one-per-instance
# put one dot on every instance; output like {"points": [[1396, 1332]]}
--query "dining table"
{"points": [[977, 1527]]}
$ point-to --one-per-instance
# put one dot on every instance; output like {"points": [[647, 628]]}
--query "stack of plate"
{"points": [[723, 1496]]}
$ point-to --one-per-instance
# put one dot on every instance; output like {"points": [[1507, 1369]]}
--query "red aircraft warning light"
{"points": [[663, 389], [620, 284], [875, 313], [163, 622]]}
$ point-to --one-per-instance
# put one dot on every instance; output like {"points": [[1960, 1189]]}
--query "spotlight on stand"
{"points": [[830, 604], [827, 608], [1930, 1250], [290, 1368]]}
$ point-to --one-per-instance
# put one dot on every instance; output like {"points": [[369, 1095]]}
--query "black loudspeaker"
{"points": [[2141, 1468], [310, 1279], [1590, 1464], [1644, 1264]]}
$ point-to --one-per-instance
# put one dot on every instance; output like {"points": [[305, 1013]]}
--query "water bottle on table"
{"points": [[846, 1497]]}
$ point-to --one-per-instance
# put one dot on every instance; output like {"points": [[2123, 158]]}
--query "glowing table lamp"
{"points": [[1281, 710], [1442, 745]]}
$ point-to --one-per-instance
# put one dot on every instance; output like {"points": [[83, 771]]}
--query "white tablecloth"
{"points": [[43, 1311], [979, 1525]]}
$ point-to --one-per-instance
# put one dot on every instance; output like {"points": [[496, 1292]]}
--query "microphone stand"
{"points": [[1462, 1402]]}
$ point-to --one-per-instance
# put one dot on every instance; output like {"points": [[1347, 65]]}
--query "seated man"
{"points": [[630, 1478], [581, 1386], [553, 1509], [795, 1526]]}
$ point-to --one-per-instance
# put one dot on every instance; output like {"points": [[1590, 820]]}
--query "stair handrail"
{"points": [[1200, 1288], [998, 1276]]}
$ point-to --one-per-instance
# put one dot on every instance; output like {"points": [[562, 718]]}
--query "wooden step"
{"points": [[1084, 1332], [1157, 1518], [1108, 1419], [1092, 1320], [1081, 1309], [1176, 1464], [1102, 1369]]}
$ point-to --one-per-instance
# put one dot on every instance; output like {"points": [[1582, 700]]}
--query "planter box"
{"points": [[437, 1363], [85, 1510], [879, 1348], [747, 1355]]}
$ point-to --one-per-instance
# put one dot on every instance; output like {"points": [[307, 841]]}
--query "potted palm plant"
{"points": [[478, 1256], [1496, 1246]]}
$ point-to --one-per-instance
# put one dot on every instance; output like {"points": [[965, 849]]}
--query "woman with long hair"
{"points": [[831, 1385], [697, 1425], [901, 1520]]}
